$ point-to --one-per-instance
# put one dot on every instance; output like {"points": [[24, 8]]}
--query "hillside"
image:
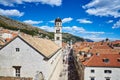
{"points": [[68, 37], [11, 24]]}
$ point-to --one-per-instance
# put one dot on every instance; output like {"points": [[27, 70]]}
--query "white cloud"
{"points": [[80, 31], [76, 29], [73, 29], [103, 8], [49, 2], [96, 36], [47, 28], [84, 21], [94, 33], [32, 22], [110, 21], [116, 25], [52, 21], [12, 12], [10, 2], [67, 20]]}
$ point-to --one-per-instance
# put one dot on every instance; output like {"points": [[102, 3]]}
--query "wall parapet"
{"points": [[14, 78]]}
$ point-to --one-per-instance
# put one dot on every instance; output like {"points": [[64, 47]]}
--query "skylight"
{"points": [[106, 60]]}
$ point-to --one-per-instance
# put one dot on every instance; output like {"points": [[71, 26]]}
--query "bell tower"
{"points": [[58, 32]]}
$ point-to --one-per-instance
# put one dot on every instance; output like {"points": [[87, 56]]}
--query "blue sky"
{"points": [[93, 19]]}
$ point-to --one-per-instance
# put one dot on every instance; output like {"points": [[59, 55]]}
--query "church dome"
{"points": [[58, 20]]}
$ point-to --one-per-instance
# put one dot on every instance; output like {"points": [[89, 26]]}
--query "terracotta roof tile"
{"points": [[45, 46], [1, 42], [95, 47], [97, 60], [116, 42]]}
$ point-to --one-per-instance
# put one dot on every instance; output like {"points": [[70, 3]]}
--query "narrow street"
{"points": [[69, 70], [72, 72]]}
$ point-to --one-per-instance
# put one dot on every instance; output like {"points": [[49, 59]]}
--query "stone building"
{"points": [[34, 57]]}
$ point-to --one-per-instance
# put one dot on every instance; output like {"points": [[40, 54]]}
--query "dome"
{"points": [[58, 20]]}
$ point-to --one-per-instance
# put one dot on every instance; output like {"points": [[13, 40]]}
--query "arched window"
{"points": [[58, 31], [58, 38], [17, 70], [39, 76]]}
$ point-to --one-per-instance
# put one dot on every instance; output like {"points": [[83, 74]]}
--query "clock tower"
{"points": [[58, 32]]}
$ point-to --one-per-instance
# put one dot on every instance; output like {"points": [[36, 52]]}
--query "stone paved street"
{"points": [[69, 71]]}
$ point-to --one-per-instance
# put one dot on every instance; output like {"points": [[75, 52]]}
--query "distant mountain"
{"points": [[89, 40], [11, 24]]}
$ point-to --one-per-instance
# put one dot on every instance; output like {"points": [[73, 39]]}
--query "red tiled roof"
{"points": [[102, 47], [116, 42], [1, 42], [97, 60], [104, 51], [95, 47]]}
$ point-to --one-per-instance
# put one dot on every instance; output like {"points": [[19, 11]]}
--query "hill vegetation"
{"points": [[69, 37], [11, 24]]}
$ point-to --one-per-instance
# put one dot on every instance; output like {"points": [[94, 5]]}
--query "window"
{"points": [[92, 78], [57, 23], [17, 70], [92, 71], [105, 60], [58, 31], [107, 71], [17, 49], [107, 78], [58, 38]]}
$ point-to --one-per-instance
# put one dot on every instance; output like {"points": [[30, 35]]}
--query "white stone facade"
{"points": [[58, 42], [31, 61], [99, 73]]}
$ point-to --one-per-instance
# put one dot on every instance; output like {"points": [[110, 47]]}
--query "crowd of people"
{"points": [[72, 71]]}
